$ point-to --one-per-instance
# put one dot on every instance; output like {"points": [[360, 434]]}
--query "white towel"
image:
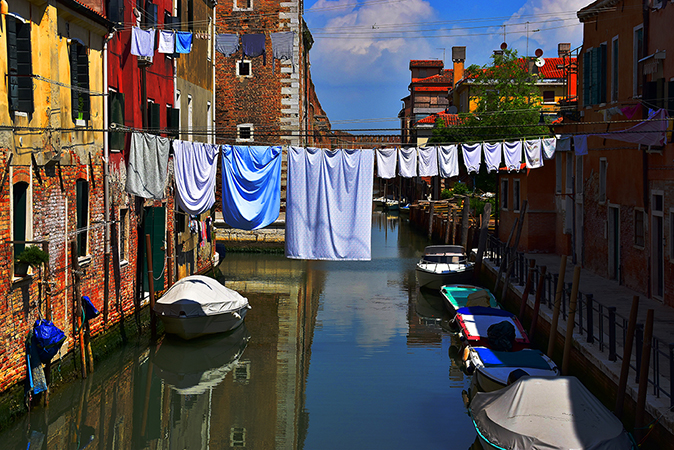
{"points": [[407, 162], [549, 146], [512, 152], [142, 42], [449, 160], [167, 42], [329, 204], [386, 162], [533, 153], [492, 155], [428, 161], [472, 156], [195, 167]]}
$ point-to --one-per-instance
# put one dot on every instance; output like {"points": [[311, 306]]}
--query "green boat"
{"points": [[460, 295]]}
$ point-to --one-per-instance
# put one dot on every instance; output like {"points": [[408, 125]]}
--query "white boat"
{"points": [[443, 264], [491, 369], [198, 305], [552, 413]]}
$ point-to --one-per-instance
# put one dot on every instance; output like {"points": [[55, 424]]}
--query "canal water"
{"points": [[332, 355]]}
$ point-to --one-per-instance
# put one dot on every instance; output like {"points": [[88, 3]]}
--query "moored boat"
{"points": [[474, 323], [492, 369], [460, 295], [443, 264], [556, 413], [198, 305]]}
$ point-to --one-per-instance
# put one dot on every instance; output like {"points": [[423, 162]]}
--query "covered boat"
{"points": [[474, 324], [492, 369], [551, 413], [443, 264], [460, 295], [199, 305]]}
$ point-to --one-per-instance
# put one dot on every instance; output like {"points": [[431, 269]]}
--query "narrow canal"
{"points": [[333, 355]]}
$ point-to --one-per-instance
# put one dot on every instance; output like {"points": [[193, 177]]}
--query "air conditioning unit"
{"points": [[144, 60]]}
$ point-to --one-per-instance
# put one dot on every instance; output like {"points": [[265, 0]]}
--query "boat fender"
{"points": [[236, 314], [466, 354]]}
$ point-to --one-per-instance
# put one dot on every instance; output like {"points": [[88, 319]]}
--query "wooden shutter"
{"points": [[586, 78], [74, 97], [24, 67], [594, 74], [82, 215], [83, 80], [20, 192], [602, 73]]}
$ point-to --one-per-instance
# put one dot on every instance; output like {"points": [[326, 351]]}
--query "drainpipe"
{"points": [[106, 186]]}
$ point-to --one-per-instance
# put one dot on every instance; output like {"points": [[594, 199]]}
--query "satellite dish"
{"points": [[452, 110], [540, 62], [504, 46], [539, 53]]}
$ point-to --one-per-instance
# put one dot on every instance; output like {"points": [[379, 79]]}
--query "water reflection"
{"points": [[331, 355]]}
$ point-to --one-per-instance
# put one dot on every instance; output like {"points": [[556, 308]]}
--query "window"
{"points": [[149, 13], [244, 132], [20, 215], [558, 173], [116, 119], [548, 96], [603, 166], [190, 15], [79, 80], [123, 234], [614, 69], [172, 121], [82, 216], [243, 69], [516, 195], [638, 48], [504, 194], [639, 227], [19, 65], [115, 10], [422, 73], [153, 123], [243, 5], [594, 75], [190, 118], [237, 437]]}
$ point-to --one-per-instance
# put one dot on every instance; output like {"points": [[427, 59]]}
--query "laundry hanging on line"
{"points": [[428, 161], [492, 155], [147, 168], [167, 42], [386, 162], [195, 168], [448, 161], [533, 154], [329, 204], [407, 162], [142, 42], [472, 156], [226, 43], [251, 186], [282, 47], [183, 41], [254, 45]]}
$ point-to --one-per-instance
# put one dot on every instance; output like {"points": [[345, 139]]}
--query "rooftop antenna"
{"points": [[532, 31], [443, 54]]}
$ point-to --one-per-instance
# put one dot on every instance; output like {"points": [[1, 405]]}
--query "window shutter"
{"points": [[20, 195], [24, 66], [116, 10], [12, 64], [154, 117], [586, 78], [595, 75], [74, 97], [82, 215], [602, 73], [116, 106], [83, 79], [670, 102]]}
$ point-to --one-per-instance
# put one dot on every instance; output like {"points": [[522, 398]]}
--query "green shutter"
{"points": [[12, 64], [74, 97], [594, 69], [602, 73], [154, 224], [83, 80], [586, 79]]}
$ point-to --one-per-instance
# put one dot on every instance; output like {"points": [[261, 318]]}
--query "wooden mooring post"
{"points": [[639, 429], [482, 243], [77, 304], [627, 356], [557, 305], [570, 322], [150, 284]]}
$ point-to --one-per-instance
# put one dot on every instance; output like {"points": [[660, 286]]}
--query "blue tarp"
{"points": [[251, 186], [527, 358]]}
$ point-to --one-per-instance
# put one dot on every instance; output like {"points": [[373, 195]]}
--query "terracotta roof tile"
{"points": [[426, 63], [448, 119]]}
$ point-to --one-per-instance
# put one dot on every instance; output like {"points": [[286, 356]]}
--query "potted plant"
{"points": [[32, 256]]}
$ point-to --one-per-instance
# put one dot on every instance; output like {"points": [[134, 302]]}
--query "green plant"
{"points": [[33, 256], [445, 194], [460, 189]]}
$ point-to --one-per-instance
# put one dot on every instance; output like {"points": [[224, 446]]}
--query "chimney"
{"points": [[458, 58], [563, 49]]}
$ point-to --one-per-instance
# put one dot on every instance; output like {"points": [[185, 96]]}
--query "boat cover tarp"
{"points": [[526, 358], [197, 296], [547, 413]]}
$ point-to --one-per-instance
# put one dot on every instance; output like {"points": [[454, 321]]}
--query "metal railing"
{"points": [[601, 325]]}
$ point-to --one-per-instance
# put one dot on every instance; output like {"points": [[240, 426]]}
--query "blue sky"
{"points": [[360, 58]]}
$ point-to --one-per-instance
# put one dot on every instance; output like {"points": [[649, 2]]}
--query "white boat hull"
{"points": [[435, 280], [193, 327]]}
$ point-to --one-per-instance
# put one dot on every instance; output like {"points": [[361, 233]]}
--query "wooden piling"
{"points": [[77, 303], [465, 223], [570, 321], [537, 302], [527, 288], [504, 257], [639, 429], [513, 249], [453, 226], [557, 305], [430, 219], [150, 283], [627, 356], [482, 243]]}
